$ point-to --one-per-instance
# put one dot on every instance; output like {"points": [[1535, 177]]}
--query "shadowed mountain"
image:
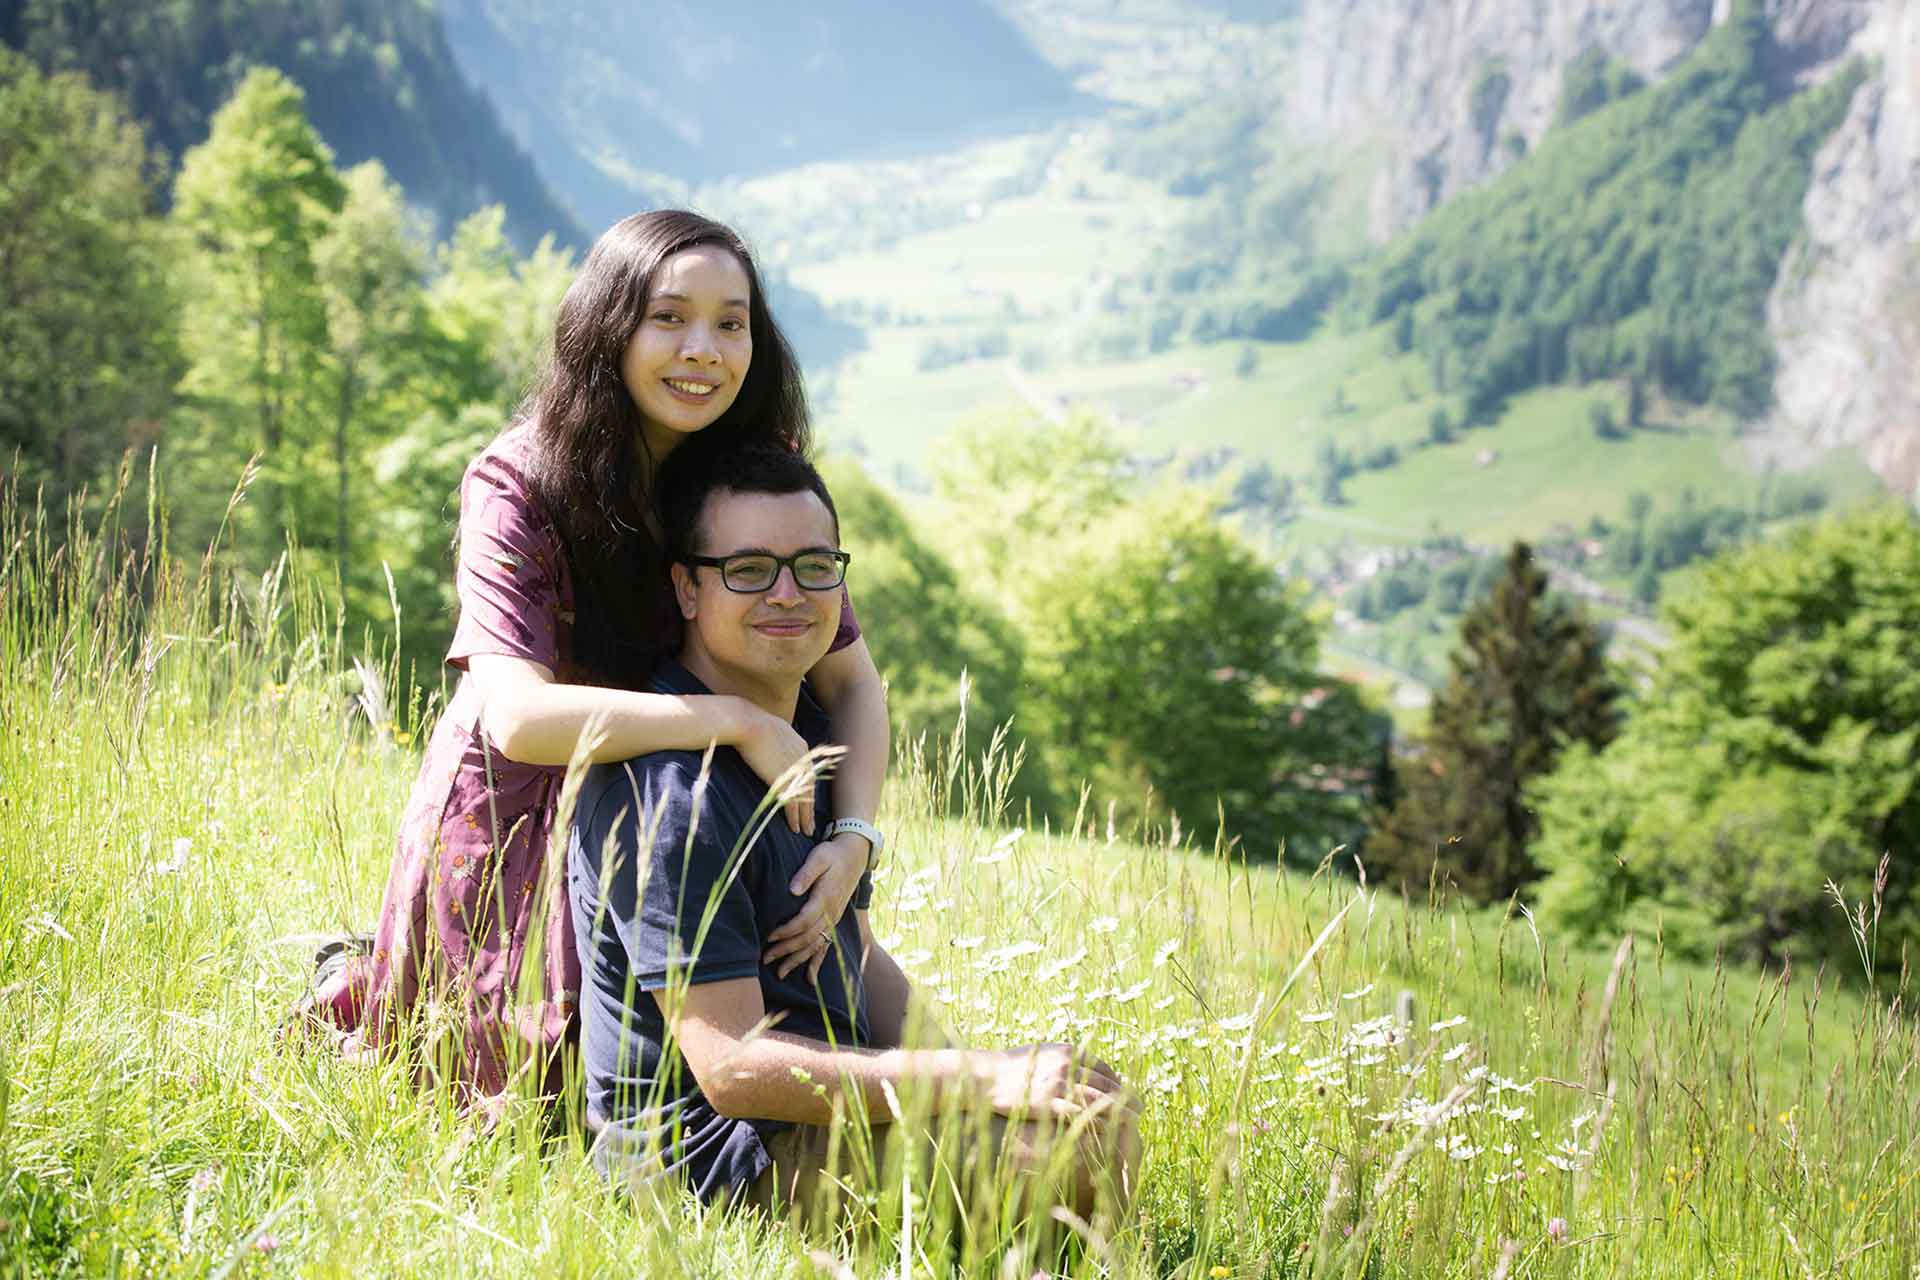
{"points": [[612, 99], [379, 78]]}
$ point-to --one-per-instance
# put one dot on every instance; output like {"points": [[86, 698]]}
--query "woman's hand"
{"points": [[771, 747], [832, 872]]}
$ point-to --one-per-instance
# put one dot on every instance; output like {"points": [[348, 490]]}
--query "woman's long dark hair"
{"points": [[592, 472]]}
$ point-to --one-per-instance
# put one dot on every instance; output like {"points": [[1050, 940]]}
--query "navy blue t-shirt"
{"points": [[659, 878]]}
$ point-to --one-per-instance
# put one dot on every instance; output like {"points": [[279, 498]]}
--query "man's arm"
{"points": [[749, 1072]]}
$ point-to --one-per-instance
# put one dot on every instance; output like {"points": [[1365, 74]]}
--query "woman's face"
{"points": [[685, 363]]}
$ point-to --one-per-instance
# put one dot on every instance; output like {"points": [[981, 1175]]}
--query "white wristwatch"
{"points": [[859, 827]]}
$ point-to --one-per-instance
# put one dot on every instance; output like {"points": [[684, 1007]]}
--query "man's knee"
{"points": [[967, 1162], [1087, 1166]]}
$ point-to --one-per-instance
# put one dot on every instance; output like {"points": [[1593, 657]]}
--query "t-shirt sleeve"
{"points": [[507, 576], [679, 902], [849, 629]]}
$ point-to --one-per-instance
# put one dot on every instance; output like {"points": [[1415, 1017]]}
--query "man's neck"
{"points": [[777, 697]]}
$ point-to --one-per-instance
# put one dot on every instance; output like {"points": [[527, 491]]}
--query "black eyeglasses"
{"points": [[752, 571]]}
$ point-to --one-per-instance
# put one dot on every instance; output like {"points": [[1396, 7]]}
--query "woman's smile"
{"points": [[694, 392]]}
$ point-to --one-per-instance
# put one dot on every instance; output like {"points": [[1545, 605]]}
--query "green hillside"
{"points": [[1548, 1110], [1641, 240]]}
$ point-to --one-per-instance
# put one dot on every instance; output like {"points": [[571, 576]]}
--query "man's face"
{"points": [[772, 637]]}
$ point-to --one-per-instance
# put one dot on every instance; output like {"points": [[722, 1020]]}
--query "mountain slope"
{"points": [[618, 101], [1456, 90], [1453, 93], [1845, 312], [380, 81]]}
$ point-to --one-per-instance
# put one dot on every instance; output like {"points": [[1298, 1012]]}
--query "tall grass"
{"points": [[194, 781]]}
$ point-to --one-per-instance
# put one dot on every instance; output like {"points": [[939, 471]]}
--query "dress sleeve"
{"points": [[508, 573], [849, 629]]}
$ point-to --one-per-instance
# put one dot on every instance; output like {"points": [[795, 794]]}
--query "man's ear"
{"points": [[685, 592]]}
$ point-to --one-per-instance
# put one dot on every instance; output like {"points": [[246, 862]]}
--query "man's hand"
{"points": [[828, 877], [1054, 1080]]}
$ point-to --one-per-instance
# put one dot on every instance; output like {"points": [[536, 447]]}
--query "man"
{"points": [[703, 1059]]}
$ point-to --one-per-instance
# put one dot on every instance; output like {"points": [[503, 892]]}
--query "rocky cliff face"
{"points": [[1447, 85], [1845, 312], [1452, 92]]}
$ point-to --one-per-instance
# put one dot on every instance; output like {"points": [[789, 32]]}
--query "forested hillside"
{"points": [[1641, 241], [380, 82], [1640, 238]]}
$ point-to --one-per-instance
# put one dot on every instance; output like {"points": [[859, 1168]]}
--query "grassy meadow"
{"points": [[194, 781], [1542, 457]]}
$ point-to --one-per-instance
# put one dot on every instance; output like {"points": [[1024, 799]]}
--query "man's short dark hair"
{"points": [[692, 474]]}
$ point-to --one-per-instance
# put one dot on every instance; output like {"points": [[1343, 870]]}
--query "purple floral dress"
{"points": [[475, 948]]}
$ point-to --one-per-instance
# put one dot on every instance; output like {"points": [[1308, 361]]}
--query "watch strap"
{"points": [[859, 827]]}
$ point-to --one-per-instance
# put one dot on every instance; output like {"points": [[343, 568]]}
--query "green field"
{"points": [[1540, 467], [193, 784]]}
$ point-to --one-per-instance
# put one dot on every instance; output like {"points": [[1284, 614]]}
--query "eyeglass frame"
{"points": [[788, 563]]}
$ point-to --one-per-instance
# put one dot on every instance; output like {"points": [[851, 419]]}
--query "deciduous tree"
{"points": [[1776, 748], [370, 264], [926, 626], [89, 347], [1168, 663], [496, 307], [253, 201], [1016, 489]]}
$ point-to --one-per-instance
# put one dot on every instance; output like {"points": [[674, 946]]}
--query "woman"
{"points": [[564, 609]]}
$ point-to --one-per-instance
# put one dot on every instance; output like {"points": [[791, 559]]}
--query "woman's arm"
{"points": [[849, 688], [851, 691], [534, 719]]}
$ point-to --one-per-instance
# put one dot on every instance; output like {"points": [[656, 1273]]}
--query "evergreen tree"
{"points": [[382, 80], [1528, 678], [1600, 418], [1640, 241]]}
